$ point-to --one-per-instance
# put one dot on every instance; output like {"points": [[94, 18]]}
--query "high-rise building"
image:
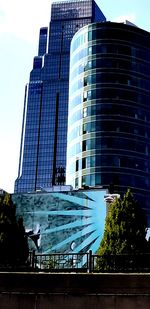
{"points": [[44, 129], [109, 109]]}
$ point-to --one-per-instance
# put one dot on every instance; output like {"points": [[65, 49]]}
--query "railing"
{"points": [[121, 263], [61, 262], [88, 262], [83, 262]]}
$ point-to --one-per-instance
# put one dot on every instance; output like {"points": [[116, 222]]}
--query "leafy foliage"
{"points": [[125, 230], [13, 242]]}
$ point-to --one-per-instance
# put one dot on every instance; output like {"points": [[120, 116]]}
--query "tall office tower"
{"points": [[109, 109], [44, 129]]}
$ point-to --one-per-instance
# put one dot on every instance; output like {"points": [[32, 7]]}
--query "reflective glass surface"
{"points": [[109, 111], [44, 129]]}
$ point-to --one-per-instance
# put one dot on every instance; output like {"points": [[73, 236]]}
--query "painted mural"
{"points": [[63, 222]]}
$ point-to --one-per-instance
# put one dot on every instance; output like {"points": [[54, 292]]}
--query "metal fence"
{"points": [[121, 263], [88, 262], [60, 262], [83, 262]]}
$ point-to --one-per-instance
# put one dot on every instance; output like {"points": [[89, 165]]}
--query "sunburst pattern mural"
{"points": [[63, 222]]}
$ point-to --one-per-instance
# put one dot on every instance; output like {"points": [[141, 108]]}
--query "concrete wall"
{"points": [[74, 291]]}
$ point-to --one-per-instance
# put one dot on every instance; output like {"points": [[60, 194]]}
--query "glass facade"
{"points": [[44, 129], [109, 109]]}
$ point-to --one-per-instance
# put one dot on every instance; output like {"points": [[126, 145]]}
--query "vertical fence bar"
{"points": [[33, 258], [90, 268]]}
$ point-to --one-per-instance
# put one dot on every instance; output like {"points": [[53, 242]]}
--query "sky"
{"points": [[20, 22]]}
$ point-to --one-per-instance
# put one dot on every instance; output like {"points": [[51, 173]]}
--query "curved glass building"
{"points": [[109, 109]]}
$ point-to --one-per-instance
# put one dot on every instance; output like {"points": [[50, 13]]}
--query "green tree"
{"points": [[13, 241], [125, 230]]}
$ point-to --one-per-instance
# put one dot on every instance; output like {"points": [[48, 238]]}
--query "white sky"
{"points": [[20, 22]]}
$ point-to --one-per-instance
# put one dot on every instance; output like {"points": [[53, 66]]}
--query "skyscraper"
{"points": [[109, 109], [44, 128]]}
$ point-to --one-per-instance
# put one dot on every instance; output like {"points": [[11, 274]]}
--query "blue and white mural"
{"points": [[63, 222]]}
